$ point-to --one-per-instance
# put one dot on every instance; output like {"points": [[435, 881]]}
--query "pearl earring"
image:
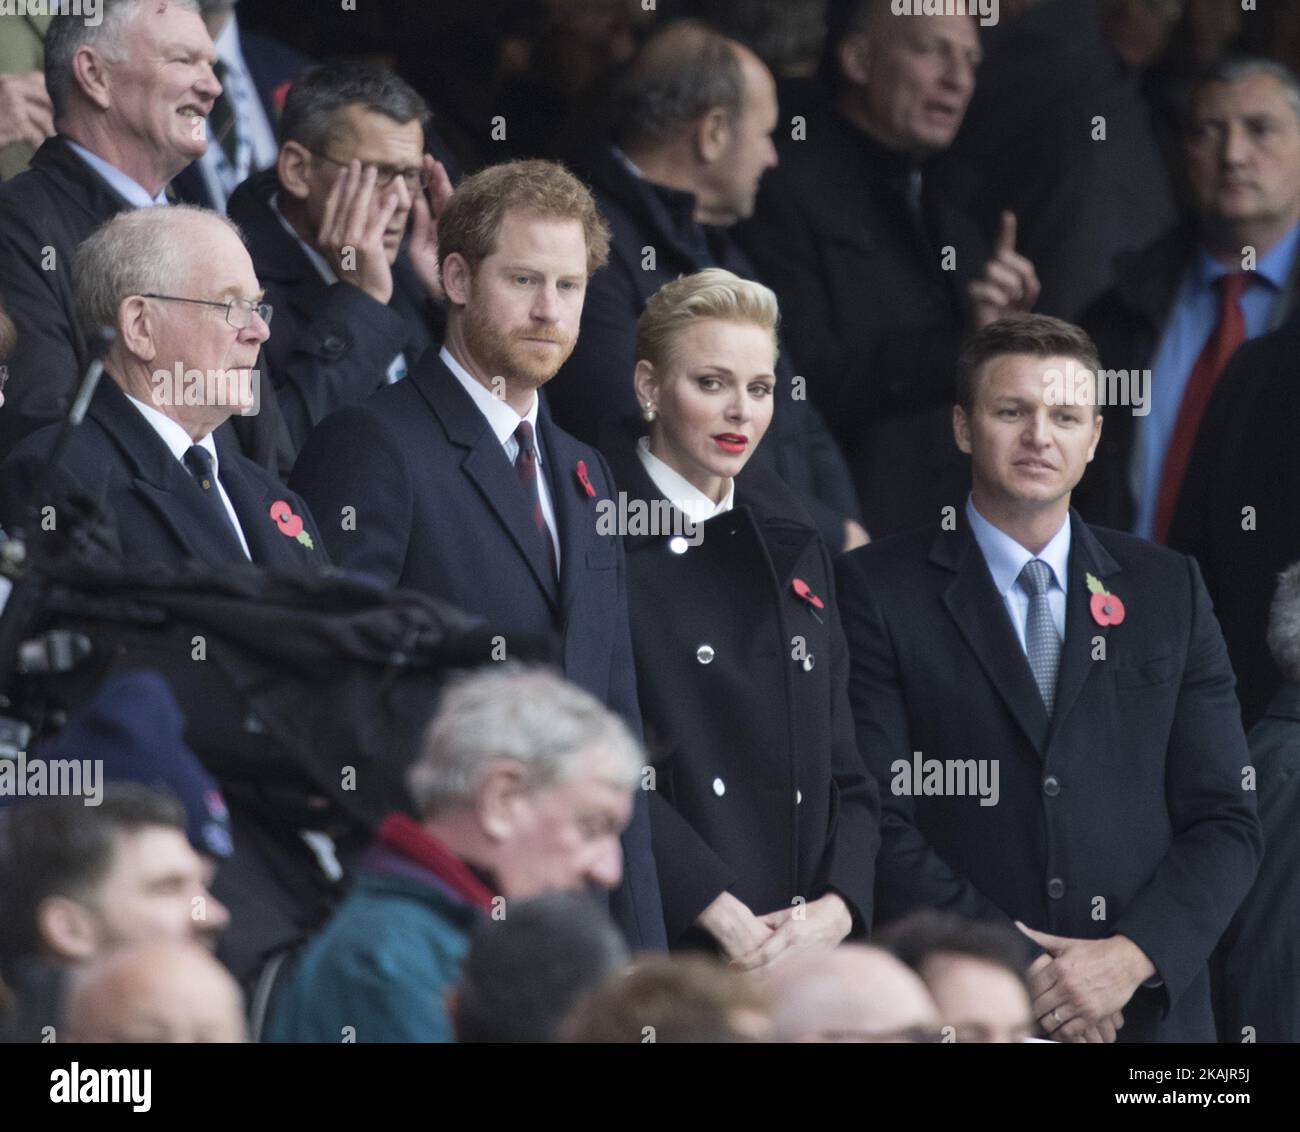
{"points": [[649, 411]]}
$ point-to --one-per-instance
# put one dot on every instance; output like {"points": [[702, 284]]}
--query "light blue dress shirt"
{"points": [[131, 191], [1192, 319], [1006, 558]]}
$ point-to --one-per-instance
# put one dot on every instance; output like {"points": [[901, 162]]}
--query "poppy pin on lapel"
{"points": [[811, 600], [1106, 607], [585, 480], [290, 525]]}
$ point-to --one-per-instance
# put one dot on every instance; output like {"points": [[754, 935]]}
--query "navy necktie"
{"points": [[198, 462], [526, 470]]}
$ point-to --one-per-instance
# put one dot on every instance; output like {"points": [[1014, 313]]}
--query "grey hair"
{"points": [[681, 74], [68, 34], [511, 711], [1239, 68], [1284, 623], [314, 106], [134, 253]]}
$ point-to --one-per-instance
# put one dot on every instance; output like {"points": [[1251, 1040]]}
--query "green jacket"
{"points": [[21, 49]]}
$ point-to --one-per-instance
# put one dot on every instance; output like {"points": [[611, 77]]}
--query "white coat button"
{"points": [[798, 797], [719, 787], [808, 662], [678, 545], [704, 654]]}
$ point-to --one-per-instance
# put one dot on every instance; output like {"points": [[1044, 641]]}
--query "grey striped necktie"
{"points": [[1041, 640]]}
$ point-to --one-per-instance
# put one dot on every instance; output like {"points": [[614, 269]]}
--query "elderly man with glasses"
{"points": [[358, 294], [177, 287]]}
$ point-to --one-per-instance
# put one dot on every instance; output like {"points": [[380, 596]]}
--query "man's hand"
{"points": [[1009, 283], [820, 924], [349, 239], [1081, 984], [729, 921], [426, 209], [26, 113]]}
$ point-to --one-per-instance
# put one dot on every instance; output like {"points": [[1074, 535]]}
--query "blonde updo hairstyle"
{"points": [[710, 294]]}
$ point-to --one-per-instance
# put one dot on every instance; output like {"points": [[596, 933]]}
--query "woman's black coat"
{"points": [[759, 787]]}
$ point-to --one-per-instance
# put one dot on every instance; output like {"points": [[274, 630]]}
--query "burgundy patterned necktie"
{"points": [[526, 470]]}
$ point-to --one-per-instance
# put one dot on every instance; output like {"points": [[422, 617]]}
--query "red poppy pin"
{"points": [[585, 480], [1107, 609], [290, 524], [813, 602], [278, 95]]}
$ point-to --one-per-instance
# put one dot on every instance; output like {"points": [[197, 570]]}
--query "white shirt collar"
{"points": [[318, 261], [679, 491], [1006, 557], [173, 435], [501, 418], [133, 192]]}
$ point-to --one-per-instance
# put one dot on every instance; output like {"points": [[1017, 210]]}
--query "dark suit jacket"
{"points": [[1124, 813], [330, 345], [1259, 962], [596, 382], [156, 510], [798, 815], [868, 313], [438, 508], [1248, 458], [44, 214], [1126, 323]]}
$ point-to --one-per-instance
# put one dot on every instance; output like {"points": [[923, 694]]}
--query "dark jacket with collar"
{"points": [[44, 214], [420, 493], [760, 789], [1127, 323], [595, 384], [1259, 961], [1237, 510], [869, 312], [331, 344], [156, 510], [1123, 813]]}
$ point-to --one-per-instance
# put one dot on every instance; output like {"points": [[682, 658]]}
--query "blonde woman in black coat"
{"points": [[764, 822]]}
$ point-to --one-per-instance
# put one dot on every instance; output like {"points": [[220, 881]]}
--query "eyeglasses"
{"points": [[416, 179], [239, 312]]}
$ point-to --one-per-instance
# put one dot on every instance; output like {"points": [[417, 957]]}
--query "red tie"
{"points": [[1228, 334]]}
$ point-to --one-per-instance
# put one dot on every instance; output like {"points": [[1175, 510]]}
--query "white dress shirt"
{"points": [[503, 421], [179, 442], [679, 491], [397, 367], [256, 147], [1006, 558], [134, 193]]}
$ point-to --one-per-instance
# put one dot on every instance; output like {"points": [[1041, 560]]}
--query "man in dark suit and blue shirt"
{"points": [[1080, 674], [178, 288], [456, 482]]}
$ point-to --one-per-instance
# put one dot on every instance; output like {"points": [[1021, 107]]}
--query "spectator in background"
{"points": [[131, 97], [177, 287], [878, 269], [254, 73], [683, 999], [78, 882], [155, 992], [1259, 958], [1182, 306], [525, 971], [26, 115], [357, 295], [1059, 133], [692, 138], [974, 971], [522, 786], [852, 994]]}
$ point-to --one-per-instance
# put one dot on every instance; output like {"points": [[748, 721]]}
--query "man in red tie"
{"points": [[1182, 306]]}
